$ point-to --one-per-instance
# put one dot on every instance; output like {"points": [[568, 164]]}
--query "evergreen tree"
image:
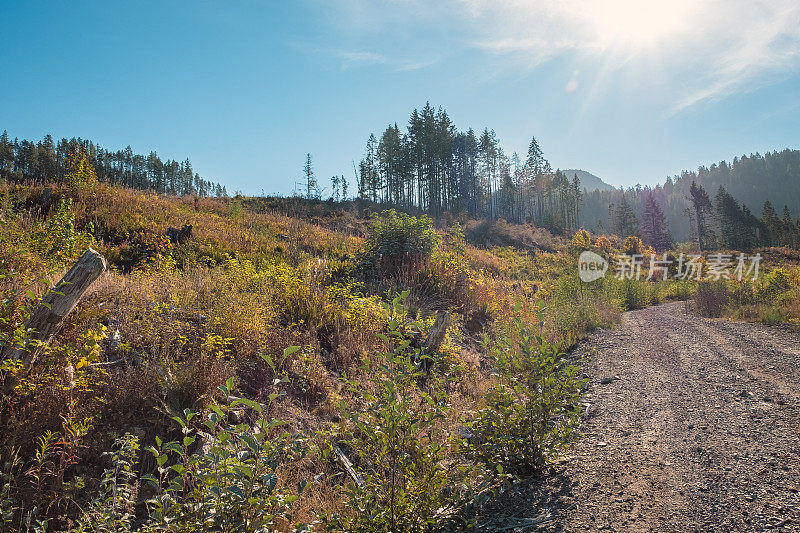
{"points": [[736, 225], [654, 225], [772, 224], [701, 204], [624, 218], [311, 179], [789, 230]]}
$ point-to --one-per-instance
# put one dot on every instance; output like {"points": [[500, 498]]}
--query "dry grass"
{"points": [[175, 321]]}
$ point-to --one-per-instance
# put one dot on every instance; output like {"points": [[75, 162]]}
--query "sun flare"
{"points": [[636, 24]]}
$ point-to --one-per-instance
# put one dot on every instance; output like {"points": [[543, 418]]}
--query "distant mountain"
{"points": [[589, 181]]}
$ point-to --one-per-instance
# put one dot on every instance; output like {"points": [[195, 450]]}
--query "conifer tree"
{"points": [[772, 224], [701, 205], [654, 225], [624, 218], [311, 179]]}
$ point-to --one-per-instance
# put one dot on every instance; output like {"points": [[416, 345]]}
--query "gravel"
{"points": [[699, 430]]}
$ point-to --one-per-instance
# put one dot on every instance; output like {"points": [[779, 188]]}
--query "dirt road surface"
{"points": [[693, 424]]}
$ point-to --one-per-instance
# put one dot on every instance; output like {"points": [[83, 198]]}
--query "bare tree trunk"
{"points": [[57, 304]]}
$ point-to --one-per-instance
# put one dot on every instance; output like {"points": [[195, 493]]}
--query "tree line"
{"points": [[46, 161], [718, 223], [433, 167], [752, 201]]}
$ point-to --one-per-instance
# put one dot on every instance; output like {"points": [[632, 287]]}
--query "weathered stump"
{"points": [[57, 304]]}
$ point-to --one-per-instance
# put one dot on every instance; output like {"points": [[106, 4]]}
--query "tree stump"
{"points": [[57, 304]]}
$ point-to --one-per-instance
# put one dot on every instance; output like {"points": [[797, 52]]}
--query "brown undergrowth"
{"points": [[176, 330]]}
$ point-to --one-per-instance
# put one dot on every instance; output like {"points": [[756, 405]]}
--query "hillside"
{"points": [[589, 181], [284, 332], [306, 312]]}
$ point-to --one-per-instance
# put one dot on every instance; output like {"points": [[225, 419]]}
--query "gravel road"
{"points": [[693, 424]]}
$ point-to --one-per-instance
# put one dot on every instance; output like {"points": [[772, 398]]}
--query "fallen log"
{"points": [[57, 304]]}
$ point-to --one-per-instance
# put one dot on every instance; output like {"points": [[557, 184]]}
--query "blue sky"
{"points": [[630, 90]]}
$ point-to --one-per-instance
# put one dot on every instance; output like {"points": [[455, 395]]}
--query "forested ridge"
{"points": [[432, 167], [761, 193], [435, 168], [47, 161]]}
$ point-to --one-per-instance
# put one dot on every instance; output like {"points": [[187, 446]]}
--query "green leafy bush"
{"points": [[409, 480], [218, 476], [774, 283], [59, 238], [676, 290], [581, 240], [636, 294], [533, 413], [632, 245], [772, 316], [397, 242]]}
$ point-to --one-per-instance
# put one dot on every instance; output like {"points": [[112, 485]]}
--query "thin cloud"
{"points": [[357, 58], [767, 48], [702, 50], [712, 50], [354, 58]]}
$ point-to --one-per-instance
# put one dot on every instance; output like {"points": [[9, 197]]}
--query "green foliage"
{"points": [[8, 504], [533, 413], [581, 240], [677, 290], [113, 509], [80, 175], [635, 294], [59, 237], [220, 475], [774, 283], [632, 245], [397, 241], [410, 481], [772, 316]]}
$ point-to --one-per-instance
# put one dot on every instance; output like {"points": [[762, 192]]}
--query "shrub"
{"points": [[397, 243], [678, 290], [711, 298], [59, 238], [581, 240], [604, 245], [80, 175], [221, 476], [409, 481], [532, 414], [774, 283], [742, 293], [632, 245], [772, 316], [635, 294], [578, 308]]}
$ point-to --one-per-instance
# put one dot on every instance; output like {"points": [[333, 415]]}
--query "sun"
{"points": [[638, 24]]}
